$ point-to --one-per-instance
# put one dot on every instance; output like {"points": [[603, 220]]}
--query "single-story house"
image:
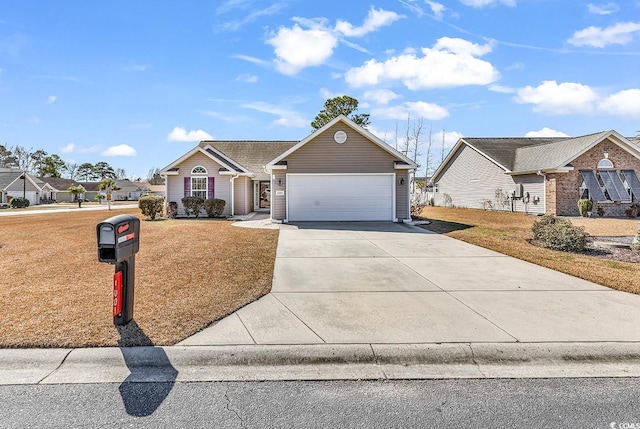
{"points": [[541, 175], [340, 172], [15, 183], [127, 190], [55, 188]]}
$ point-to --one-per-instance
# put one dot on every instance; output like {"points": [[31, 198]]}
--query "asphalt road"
{"points": [[554, 403]]}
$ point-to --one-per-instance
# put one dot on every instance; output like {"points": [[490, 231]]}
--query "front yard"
{"points": [[508, 233], [189, 273]]}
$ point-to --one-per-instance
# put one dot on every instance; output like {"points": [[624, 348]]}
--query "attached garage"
{"points": [[340, 172], [341, 197], [32, 196]]}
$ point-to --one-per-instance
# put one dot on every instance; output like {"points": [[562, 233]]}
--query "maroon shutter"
{"points": [[187, 186], [210, 193]]}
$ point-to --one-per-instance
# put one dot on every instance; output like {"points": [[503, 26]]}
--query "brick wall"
{"points": [[567, 185]]}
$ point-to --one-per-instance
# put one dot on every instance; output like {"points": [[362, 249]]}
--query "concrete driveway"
{"points": [[387, 283]]}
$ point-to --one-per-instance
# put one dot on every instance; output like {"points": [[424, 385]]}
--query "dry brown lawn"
{"points": [[189, 273], [508, 233]]}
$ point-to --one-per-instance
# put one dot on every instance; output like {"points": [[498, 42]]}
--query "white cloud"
{"points": [[502, 89], [437, 9], [234, 25], [326, 94], [287, 118], [450, 138], [419, 109], [51, 99], [450, 63], [73, 148], [120, 150], [375, 19], [483, 3], [292, 48], [562, 99], [603, 9], [381, 96], [618, 34], [623, 103], [250, 59], [546, 132], [311, 42], [180, 134], [248, 78]]}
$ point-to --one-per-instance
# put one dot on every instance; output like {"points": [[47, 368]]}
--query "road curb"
{"points": [[319, 362]]}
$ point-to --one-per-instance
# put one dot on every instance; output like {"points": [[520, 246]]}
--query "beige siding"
{"points": [[279, 202], [240, 201], [249, 195], [532, 184], [222, 186], [357, 155], [470, 179], [402, 195]]}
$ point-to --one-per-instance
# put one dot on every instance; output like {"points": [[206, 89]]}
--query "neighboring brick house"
{"points": [[541, 175]]}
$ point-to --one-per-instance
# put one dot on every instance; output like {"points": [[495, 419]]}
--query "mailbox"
{"points": [[118, 238], [118, 242]]}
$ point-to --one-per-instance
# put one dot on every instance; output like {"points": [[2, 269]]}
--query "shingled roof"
{"points": [[529, 154], [251, 155]]}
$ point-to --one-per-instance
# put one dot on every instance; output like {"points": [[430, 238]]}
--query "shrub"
{"points": [[486, 204], [214, 206], [19, 203], [172, 210], [151, 206], [193, 205], [633, 210], [559, 234], [539, 225], [448, 201], [635, 246], [584, 206]]}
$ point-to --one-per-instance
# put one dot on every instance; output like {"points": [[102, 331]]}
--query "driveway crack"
{"points": [[230, 409]]}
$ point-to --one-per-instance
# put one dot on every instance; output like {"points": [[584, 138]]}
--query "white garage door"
{"points": [[30, 195], [340, 197]]}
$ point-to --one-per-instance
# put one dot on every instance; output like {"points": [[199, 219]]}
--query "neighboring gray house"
{"points": [[541, 175], [55, 188], [339, 172], [13, 184]]}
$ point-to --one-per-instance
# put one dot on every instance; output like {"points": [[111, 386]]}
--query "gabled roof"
{"points": [[252, 155], [355, 127], [522, 155], [57, 183], [10, 175]]}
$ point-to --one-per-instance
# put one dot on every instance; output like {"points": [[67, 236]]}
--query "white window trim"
{"points": [[193, 170], [206, 186]]}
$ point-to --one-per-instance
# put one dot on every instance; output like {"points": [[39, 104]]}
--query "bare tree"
{"points": [[121, 173], [23, 157], [70, 169], [427, 161], [442, 152]]}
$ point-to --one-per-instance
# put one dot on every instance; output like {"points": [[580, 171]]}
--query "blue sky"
{"points": [[139, 83]]}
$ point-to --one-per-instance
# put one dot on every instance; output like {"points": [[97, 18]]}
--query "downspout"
{"points": [[544, 175], [271, 194], [411, 183], [233, 193]]}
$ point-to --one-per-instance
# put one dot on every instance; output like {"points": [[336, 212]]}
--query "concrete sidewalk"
{"points": [[381, 301]]}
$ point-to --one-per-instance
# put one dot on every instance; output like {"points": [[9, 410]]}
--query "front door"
{"points": [[265, 195]]}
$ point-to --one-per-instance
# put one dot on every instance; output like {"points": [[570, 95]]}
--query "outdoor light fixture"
{"points": [[279, 182], [24, 185], [402, 180]]}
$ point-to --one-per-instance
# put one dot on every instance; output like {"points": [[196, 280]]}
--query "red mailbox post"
{"points": [[118, 243]]}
